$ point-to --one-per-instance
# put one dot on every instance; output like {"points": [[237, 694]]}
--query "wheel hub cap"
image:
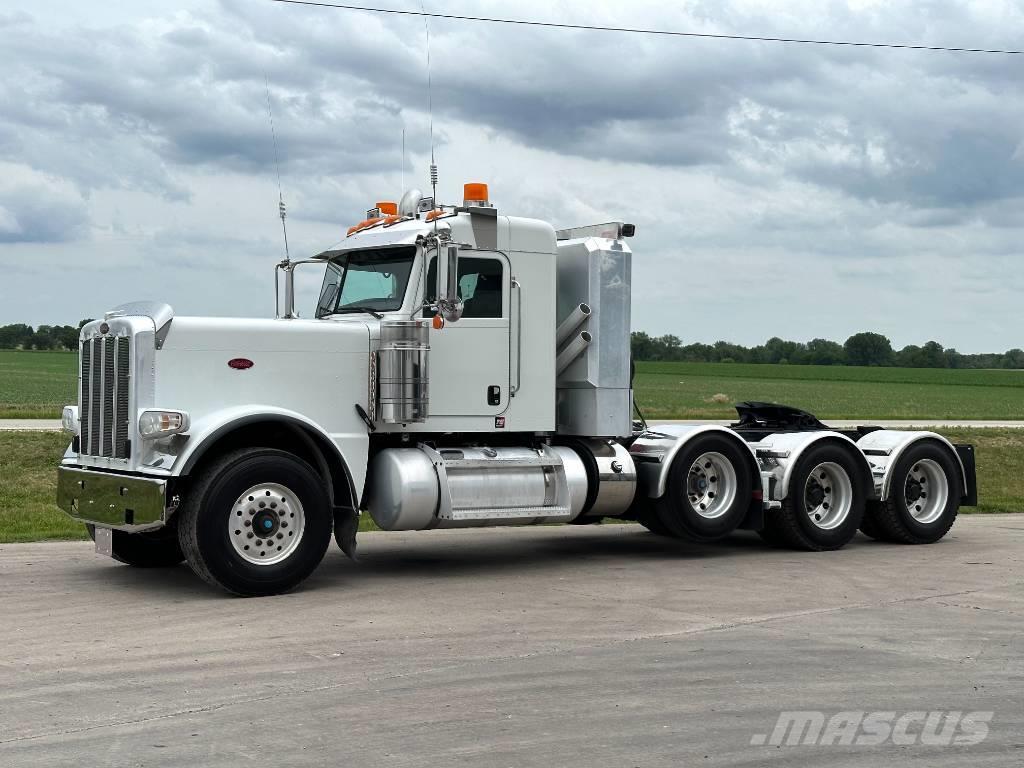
{"points": [[926, 491], [828, 495], [266, 524], [711, 485]]}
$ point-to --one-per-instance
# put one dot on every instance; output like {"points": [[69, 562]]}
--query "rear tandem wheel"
{"points": [[707, 494]]}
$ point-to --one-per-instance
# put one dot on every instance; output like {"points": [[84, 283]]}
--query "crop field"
{"points": [[39, 384], [28, 480], [36, 384], [707, 390]]}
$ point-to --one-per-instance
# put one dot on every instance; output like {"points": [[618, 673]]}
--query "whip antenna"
{"points": [[430, 110], [277, 162]]}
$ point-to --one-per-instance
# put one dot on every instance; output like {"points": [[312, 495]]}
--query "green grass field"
{"points": [[28, 473], [39, 384], [689, 390], [36, 384]]}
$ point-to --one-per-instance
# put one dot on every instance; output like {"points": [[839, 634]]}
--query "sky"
{"points": [[778, 190]]}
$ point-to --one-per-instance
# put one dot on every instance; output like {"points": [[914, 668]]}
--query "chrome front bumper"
{"points": [[124, 502]]}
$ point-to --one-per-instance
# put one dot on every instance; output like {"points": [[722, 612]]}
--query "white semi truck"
{"points": [[463, 368]]}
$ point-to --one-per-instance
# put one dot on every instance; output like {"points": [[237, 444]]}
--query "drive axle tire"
{"points": [[825, 502], [924, 496], [869, 527], [257, 522], [769, 533], [708, 491], [649, 519], [149, 549]]}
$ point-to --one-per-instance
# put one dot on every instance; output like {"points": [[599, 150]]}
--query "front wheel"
{"points": [[257, 522]]}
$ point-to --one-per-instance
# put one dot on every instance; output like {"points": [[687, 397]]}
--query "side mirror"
{"points": [[448, 302]]}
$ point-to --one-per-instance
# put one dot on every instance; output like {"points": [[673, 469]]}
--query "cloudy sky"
{"points": [[787, 190]]}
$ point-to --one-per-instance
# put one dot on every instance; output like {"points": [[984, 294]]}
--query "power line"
{"points": [[641, 31]]}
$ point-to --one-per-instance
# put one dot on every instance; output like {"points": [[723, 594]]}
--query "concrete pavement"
{"points": [[549, 647]]}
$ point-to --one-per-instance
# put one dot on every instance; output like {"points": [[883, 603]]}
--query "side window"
{"points": [[480, 286]]}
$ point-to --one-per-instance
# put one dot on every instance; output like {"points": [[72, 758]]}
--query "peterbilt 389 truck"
{"points": [[461, 368]]}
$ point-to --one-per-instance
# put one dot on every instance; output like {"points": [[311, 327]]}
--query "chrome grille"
{"points": [[106, 377]]}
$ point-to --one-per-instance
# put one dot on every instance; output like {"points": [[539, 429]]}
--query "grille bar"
{"points": [[95, 393], [106, 389], [121, 409]]}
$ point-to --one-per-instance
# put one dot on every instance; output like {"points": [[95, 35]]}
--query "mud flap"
{"points": [[346, 523]]}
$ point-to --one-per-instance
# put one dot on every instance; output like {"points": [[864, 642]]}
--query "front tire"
{"points": [[825, 502], [149, 549], [257, 522], [708, 491]]}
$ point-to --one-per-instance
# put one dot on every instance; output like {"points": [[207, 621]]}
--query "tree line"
{"points": [[21, 336], [860, 349], [872, 349]]}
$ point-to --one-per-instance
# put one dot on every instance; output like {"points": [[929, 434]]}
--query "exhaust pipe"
{"points": [[576, 348], [575, 319]]}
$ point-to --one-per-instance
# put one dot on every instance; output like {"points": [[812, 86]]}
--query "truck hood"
{"points": [[247, 336]]}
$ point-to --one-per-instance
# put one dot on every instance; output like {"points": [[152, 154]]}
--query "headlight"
{"points": [[153, 424], [69, 419]]}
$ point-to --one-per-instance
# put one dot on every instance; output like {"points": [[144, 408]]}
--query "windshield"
{"points": [[366, 280]]}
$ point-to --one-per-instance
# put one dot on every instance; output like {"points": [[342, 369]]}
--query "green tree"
{"points": [[825, 352], [15, 335], [1014, 358], [41, 340], [641, 345], [868, 349]]}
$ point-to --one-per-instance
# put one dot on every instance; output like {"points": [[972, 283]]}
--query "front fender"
{"points": [[351, 448]]}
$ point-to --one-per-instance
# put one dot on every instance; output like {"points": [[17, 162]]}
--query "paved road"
{"points": [[548, 647], [51, 425], [32, 425]]}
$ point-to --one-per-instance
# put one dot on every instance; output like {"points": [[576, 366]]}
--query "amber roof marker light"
{"points": [[475, 193]]}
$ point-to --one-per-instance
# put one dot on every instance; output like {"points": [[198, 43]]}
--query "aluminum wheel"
{"points": [[926, 491], [711, 485], [828, 495], [266, 524]]}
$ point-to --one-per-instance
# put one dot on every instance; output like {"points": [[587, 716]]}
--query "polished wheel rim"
{"points": [[828, 495], [266, 524], [711, 485], [926, 491]]}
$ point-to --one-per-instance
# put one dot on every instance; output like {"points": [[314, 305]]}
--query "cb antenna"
{"points": [[430, 110], [277, 162]]}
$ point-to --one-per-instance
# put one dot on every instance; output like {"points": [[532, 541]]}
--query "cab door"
{"points": [[469, 358]]}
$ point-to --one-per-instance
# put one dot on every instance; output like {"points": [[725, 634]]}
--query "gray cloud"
{"points": [[38, 209], [144, 141]]}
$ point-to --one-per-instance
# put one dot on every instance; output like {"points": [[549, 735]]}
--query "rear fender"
{"points": [[655, 450], [779, 454], [885, 447]]}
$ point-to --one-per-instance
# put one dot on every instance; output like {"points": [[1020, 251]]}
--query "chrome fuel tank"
{"points": [[455, 487]]}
